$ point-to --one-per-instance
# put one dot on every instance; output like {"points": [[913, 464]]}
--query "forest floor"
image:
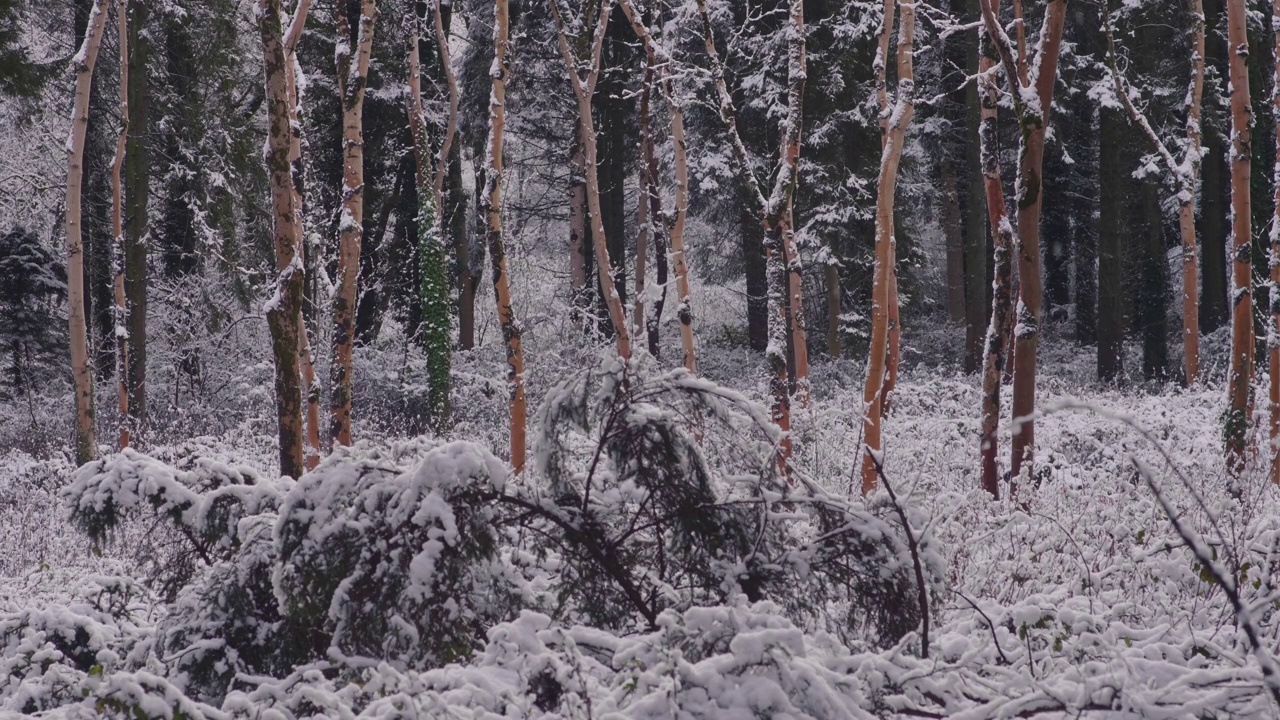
{"points": [[1086, 557]]}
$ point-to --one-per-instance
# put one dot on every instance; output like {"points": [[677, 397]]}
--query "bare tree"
{"points": [[660, 61], [310, 388], [121, 310], [1185, 174], [994, 350], [1032, 104], [284, 309], [493, 214], [86, 437], [1273, 333], [893, 133], [352, 74], [583, 89], [1239, 387], [772, 209]]}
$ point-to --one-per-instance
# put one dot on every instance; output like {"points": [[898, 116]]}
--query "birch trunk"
{"points": [[770, 210], [497, 253], [82, 375], [1242, 344], [117, 229], [1032, 105], [352, 74], [795, 308], [283, 310], [894, 134], [658, 58], [583, 91], [994, 350], [310, 389]]}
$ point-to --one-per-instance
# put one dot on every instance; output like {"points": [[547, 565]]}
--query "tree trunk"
{"points": [[117, 230], [649, 187], [644, 193], [1186, 205], [283, 310], [436, 327], [1034, 123], [352, 74], [952, 230], [583, 91], [1153, 313], [578, 242], [795, 310], [1112, 183], [497, 252], [831, 279], [1273, 332], [1002, 236], [137, 180], [310, 388], [757, 279], [85, 437], [882, 293], [1241, 373]]}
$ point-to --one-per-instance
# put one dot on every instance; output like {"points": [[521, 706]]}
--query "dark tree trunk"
{"points": [[612, 108], [137, 177], [753, 262], [1055, 228], [1113, 181], [1214, 179], [1151, 306], [977, 249]]}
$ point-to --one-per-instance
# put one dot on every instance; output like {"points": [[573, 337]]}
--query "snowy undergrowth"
{"points": [[1077, 597]]}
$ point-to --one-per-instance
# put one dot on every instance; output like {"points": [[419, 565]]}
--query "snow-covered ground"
{"points": [[1077, 597]]}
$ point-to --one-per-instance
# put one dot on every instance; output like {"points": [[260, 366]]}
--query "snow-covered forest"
{"points": [[705, 359]]}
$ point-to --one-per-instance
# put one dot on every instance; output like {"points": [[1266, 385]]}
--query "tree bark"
{"points": [[1273, 332], [951, 227], [1033, 107], [894, 125], [658, 58], [352, 74], [1241, 373], [283, 310], [310, 388], [1002, 236], [583, 91], [137, 175], [645, 192], [85, 438], [117, 231], [436, 327], [1112, 186], [497, 252]]}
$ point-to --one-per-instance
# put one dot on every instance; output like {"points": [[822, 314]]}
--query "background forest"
{"points": [[639, 358]]}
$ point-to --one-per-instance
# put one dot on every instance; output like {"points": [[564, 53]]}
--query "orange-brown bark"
{"points": [[352, 75], [894, 135], [1239, 387], [497, 250]]}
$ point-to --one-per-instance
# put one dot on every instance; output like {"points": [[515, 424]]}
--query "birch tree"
{"points": [[436, 324], [771, 210], [293, 73], [1032, 92], [1184, 173], [660, 63], [994, 350], [121, 310], [284, 309], [583, 89], [493, 216], [352, 74], [82, 375], [893, 134], [1239, 388]]}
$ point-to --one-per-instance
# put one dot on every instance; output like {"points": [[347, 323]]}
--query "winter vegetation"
{"points": [[639, 359]]}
